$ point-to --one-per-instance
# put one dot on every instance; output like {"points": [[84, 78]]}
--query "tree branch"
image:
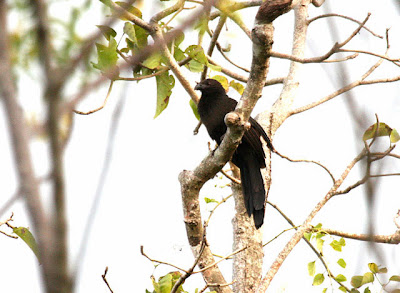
{"points": [[306, 226], [388, 239], [340, 91]]}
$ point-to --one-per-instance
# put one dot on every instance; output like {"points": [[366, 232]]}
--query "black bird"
{"points": [[249, 156]]}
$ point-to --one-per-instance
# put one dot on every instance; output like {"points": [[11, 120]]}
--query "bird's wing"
{"points": [[261, 132]]}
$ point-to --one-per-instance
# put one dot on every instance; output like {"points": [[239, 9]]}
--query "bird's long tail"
{"points": [[253, 189]]}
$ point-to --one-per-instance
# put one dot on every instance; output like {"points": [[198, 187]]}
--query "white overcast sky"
{"points": [[141, 203]]}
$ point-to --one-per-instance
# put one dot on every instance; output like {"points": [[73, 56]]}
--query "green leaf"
{"points": [[210, 200], [107, 57], [307, 235], [178, 54], [324, 291], [130, 8], [318, 279], [343, 289], [342, 263], [194, 109], [141, 36], [165, 284], [318, 227], [368, 278], [340, 278], [237, 86], [382, 271], [336, 245], [175, 277], [373, 267], [107, 31], [320, 244], [202, 25], [153, 61], [165, 84], [394, 136], [354, 291], [214, 67], [106, 2], [222, 80], [366, 290], [395, 278], [311, 268], [383, 130], [179, 38], [196, 53], [194, 66], [28, 238], [129, 30], [356, 281]]}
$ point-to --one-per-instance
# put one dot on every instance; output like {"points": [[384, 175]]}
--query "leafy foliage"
{"points": [[166, 283], [356, 282], [107, 58], [28, 238], [383, 130], [165, 83]]}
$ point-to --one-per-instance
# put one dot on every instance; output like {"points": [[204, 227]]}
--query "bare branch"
{"points": [[159, 261], [306, 226], [308, 161], [103, 276], [393, 60], [345, 17], [336, 48], [223, 258], [162, 14], [196, 261], [388, 239], [122, 12], [99, 108], [213, 42], [243, 78], [340, 91], [319, 255]]}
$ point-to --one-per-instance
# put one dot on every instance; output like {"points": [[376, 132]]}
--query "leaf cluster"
{"points": [[320, 237]]}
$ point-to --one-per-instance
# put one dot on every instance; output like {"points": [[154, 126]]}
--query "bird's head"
{"points": [[210, 86]]}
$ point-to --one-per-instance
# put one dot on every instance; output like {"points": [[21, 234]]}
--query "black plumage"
{"points": [[249, 156]]}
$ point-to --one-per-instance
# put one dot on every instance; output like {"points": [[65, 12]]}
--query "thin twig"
{"points": [[223, 258], [229, 60], [102, 106], [308, 161], [338, 92], [244, 78], [306, 225], [319, 255], [187, 274], [388, 239], [213, 42], [215, 285], [160, 261], [345, 17], [213, 210], [335, 48], [233, 179], [393, 60], [105, 279]]}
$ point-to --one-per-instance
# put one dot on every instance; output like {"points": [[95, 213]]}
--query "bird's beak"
{"points": [[198, 86]]}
